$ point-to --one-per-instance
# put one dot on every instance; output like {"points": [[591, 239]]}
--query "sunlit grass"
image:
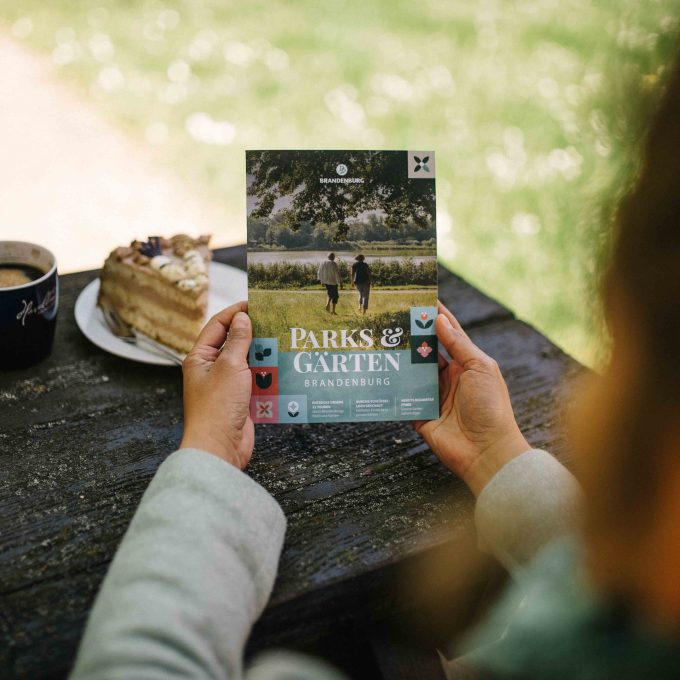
{"points": [[535, 109], [276, 311]]}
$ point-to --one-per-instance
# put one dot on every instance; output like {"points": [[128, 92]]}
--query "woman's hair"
{"points": [[644, 276], [645, 262]]}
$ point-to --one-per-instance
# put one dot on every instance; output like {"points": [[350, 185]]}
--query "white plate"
{"points": [[227, 286]]}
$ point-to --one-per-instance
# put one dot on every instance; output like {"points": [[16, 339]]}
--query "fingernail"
{"points": [[446, 322], [240, 320]]}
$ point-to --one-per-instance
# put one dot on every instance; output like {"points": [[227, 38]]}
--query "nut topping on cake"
{"points": [[187, 284], [180, 258], [122, 252], [173, 272], [182, 244], [160, 261], [192, 255], [194, 263]]}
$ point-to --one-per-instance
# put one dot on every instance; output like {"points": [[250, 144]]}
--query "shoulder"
{"points": [[552, 623], [532, 608]]}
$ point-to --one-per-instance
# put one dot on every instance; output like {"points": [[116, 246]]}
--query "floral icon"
{"points": [[262, 352], [265, 409], [423, 322], [424, 350], [263, 380], [421, 164], [293, 409]]}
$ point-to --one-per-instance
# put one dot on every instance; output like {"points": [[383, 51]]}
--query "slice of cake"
{"points": [[160, 287]]}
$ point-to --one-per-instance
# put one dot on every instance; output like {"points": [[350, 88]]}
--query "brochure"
{"points": [[342, 286]]}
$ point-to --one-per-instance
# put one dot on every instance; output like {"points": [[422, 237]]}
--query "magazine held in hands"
{"points": [[342, 286]]}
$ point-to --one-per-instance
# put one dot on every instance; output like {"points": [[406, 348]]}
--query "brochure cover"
{"points": [[342, 285]]}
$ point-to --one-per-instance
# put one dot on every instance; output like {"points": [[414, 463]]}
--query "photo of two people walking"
{"points": [[330, 277]]}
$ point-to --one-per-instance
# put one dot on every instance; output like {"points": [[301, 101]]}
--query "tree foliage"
{"points": [[273, 232], [295, 177]]}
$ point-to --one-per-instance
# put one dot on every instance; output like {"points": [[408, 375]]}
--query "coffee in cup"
{"points": [[29, 292]]}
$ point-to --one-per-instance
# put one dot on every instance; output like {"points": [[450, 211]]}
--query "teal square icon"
{"points": [[263, 352], [293, 408], [423, 320]]}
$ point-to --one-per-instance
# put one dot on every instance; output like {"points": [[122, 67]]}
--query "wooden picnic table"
{"points": [[82, 433]]}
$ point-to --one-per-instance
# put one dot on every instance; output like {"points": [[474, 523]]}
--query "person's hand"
{"points": [[476, 432], [217, 386]]}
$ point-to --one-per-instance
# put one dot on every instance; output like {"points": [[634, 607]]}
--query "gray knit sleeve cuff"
{"points": [[227, 506], [529, 502]]}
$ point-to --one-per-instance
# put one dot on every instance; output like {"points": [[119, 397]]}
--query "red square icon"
{"points": [[264, 409], [265, 380]]}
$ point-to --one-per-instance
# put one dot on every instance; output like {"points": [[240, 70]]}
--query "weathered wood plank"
{"points": [[82, 434], [81, 485]]}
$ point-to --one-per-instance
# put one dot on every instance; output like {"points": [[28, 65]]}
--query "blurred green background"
{"points": [[535, 109]]}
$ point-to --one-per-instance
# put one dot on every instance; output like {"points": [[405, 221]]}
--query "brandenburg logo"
{"points": [[341, 169]]}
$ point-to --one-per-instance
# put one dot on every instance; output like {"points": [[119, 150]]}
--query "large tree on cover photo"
{"points": [[294, 176]]}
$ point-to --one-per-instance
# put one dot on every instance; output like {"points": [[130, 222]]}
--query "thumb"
{"points": [[457, 343], [235, 350]]}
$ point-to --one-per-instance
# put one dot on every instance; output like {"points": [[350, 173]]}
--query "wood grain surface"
{"points": [[82, 433]]}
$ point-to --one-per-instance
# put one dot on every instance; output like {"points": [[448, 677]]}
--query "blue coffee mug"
{"points": [[29, 298]]}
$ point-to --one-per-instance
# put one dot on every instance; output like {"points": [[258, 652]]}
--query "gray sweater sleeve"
{"points": [[197, 565], [192, 574], [530, 501]]}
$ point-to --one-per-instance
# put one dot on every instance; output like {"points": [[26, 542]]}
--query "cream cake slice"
{"points": [[160, 287]]}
